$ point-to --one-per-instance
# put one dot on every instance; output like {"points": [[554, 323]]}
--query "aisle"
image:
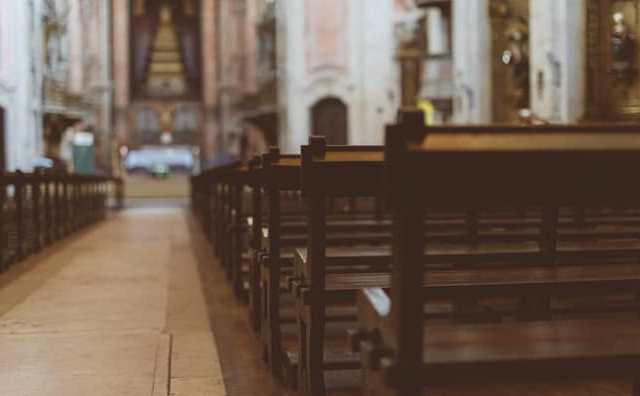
{"points": [[117, 310]]}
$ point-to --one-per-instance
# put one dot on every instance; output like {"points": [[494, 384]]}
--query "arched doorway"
{"points": [[329, 119]]}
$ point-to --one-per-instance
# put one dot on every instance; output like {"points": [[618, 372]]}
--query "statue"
{"points": [[516, 55], [623, 48]]}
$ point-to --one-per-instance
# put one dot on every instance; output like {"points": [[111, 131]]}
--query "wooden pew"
{"points": [[238, 180], [339, 171], [279, 173], [401, 355], [279, 177], [223, 195], [219, 199]]}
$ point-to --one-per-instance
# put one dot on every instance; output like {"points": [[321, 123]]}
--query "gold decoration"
{"points": [[166, 71]]}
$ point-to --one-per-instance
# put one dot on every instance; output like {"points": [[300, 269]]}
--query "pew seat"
{"points": [[356, 258], [561, 281], [512, 352]]}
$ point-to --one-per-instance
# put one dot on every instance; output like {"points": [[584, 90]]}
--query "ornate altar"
{"points": [[165, 72]]}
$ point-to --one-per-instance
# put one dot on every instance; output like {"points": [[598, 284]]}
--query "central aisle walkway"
{"points": [[118, 310]]}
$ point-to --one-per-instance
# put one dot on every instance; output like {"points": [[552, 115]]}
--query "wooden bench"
{"points": [[401, 355], [356, 171], [218, 196], [577, 225], [236, 261], [273, 245]]}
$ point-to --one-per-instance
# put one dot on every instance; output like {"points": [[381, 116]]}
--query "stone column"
{"points": [[209, 81], [121, 76], [472, 61], [558, 59], [251, 46]]}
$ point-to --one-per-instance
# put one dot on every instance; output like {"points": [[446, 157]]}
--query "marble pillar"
{"points": [[121, 55], [21, 43], [558, 59], [472, 61], [209, 82]]}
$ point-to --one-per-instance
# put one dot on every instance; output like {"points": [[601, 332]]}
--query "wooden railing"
{"points": [[37, 209]]}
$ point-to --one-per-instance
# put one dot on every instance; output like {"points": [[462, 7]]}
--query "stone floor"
{"points": [[117, 310]]}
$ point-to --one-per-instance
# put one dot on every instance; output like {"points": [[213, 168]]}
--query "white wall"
{"points": [[364, 80], [472, 61], [558, 59], [379, 94], [20, 81]]}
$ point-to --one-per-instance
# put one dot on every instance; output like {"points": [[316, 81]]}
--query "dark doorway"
{"points": [[329, 119]]}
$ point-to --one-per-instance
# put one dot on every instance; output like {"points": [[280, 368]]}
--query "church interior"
{"points": [[319, 197]]}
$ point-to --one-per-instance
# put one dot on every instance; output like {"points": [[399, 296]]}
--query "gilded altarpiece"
{"points": [[613, 77], [509, 59], [165, 69]]}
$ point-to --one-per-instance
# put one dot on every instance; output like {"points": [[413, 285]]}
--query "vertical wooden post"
{"points": [[66, 229], [19, 202], [203, 206], [83, 203], [237, 236], [226, 223], [272, 330], [407, 307], [312, 364], [57, 204], [36, 194], [407, 265], [3, 229], [46, 181], [217, 207], [256, 233]]}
